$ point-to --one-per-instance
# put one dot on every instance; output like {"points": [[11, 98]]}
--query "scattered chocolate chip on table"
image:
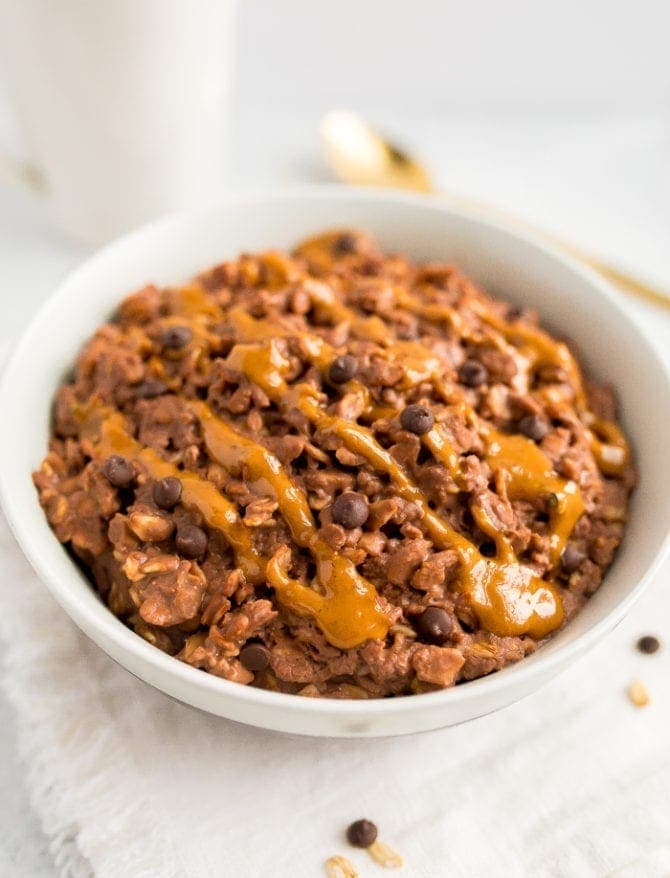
{"points": [[649, 644]]}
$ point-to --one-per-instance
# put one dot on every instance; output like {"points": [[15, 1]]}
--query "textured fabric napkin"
{"points": [[574, 781]]}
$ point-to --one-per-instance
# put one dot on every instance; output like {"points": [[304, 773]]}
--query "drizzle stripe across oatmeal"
{"points": [[529, 475], [106, 431], [507, 597], [191, 304], [348, 610], [528, 470], [608, 443]]}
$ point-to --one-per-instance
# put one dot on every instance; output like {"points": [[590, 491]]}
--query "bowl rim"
{"points": [[108, 628]]}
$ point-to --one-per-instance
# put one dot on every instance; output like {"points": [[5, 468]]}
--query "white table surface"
{"points": [[602, 180]]}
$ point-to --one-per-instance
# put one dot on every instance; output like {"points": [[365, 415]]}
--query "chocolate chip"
{"points": [[345, 243], [167, 492], [342, 369], [534, 427], [350, 510], [362, 833], [255, 657], [150, 389], [515, 312], [649, 644], [434, 625], [191, 541], [472, 373], [571, 558], [175, 337], [119, 471], [417, 419]]}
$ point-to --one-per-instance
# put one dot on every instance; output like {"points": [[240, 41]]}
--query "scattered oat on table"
{"points": [[637, 692], [384, 854], [340, 867]]}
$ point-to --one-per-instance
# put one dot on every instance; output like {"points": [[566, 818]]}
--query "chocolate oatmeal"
{"points": [[336, 473]]}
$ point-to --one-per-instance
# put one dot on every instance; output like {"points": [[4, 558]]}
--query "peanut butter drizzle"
{"points": [[190, 306], [608, 444], [544, 350], [193, 302], [263, 364], [418, 362], [253, 329], [443, 450], [609, 447], [529, 474], [371, 328], [430, 311], [348, 611], [507, 598], [107, 433], [528, 470]]}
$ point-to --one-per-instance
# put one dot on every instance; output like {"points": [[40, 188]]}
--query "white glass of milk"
{"points": [[123, 104]]}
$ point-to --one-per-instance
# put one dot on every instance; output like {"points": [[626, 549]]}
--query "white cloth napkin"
{"points": [[574, 781]]}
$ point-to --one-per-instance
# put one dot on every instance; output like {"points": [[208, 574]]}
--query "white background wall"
{"points": [[556, 109], [403, 57], [449, 53]]}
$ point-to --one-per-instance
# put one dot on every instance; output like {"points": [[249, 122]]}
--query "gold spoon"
{"points": [[361, 156]]}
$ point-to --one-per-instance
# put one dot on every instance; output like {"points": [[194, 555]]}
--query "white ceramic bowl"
{"points": [[570, 299]]}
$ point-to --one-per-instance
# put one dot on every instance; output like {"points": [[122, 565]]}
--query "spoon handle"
{"points": [[621, 279], [617, 276]]}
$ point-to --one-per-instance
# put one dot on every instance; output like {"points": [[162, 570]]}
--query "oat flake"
{"points": [[340, 867], [385, 855], [637, 692]]}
